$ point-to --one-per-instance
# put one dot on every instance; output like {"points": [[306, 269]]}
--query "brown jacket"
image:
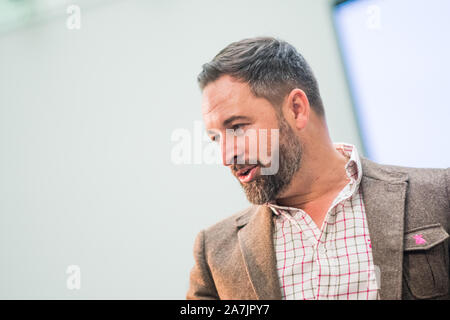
{"points": [[234, 259]]}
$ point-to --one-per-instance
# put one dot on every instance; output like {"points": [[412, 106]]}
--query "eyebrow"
{"points": [[231, 119]]}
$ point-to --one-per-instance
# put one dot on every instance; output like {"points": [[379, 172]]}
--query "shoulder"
{"points": [[227, 227], [427, 189], [219, 242], [431, 177]]}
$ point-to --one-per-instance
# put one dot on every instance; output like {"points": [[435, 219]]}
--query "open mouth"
{"points": [[247, 174]]}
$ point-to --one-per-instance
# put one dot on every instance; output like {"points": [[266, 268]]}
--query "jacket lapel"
{"points": [[255, 239], [384, 199]]}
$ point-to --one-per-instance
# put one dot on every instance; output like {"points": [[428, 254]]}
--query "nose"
{"points": [[231, 152]]}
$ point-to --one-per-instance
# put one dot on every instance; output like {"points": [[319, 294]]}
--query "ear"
{"points": [[298, 106]]}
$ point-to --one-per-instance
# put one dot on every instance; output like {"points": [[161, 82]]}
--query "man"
{"points": [[328, 224]]}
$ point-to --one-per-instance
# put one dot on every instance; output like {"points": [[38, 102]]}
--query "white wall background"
{"points": [[86, 118]]}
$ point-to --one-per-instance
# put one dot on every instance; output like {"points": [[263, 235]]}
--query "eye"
{"points": [[239, 129], [237, 126], [215, 138]]}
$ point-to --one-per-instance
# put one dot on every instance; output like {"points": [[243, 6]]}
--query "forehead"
{"points": [[224, 98]]}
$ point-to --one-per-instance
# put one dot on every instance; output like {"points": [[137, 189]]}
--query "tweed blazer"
{"points": [[235, 259]]}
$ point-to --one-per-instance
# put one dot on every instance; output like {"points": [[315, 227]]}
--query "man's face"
{"points": [[254, 138]]}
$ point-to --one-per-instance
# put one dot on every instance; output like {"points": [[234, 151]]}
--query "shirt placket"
{"points": [[331, 266], [311, 235], [323, 266]]}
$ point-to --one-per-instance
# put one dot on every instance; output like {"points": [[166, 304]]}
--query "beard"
{"points": [[266, 188]]}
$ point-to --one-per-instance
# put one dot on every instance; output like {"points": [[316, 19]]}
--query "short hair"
{"points": [[271, 67]]}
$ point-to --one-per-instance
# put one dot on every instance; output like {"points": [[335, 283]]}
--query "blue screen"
{"points": [[397, 59]]}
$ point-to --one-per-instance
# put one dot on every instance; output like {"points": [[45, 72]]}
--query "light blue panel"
{"points": [[397, 59]]}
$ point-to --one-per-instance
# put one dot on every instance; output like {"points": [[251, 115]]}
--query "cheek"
{"points": [[268, 144], [258, 145]]}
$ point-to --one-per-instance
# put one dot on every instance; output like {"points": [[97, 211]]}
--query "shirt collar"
{"points": [[353, 166]]}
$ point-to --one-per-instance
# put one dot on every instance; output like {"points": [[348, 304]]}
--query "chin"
{"points": [[259, 198]]}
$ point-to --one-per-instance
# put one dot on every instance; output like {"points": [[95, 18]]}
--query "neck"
{"points": [[322, 173]]}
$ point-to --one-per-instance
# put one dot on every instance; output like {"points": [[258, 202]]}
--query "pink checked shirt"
{"points": [[332, 262]]}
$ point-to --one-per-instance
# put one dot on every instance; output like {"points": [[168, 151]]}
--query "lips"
{"points": [[247, 174]]}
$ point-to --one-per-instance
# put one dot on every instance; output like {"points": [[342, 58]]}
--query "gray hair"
{"points": [[272, 68]]}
